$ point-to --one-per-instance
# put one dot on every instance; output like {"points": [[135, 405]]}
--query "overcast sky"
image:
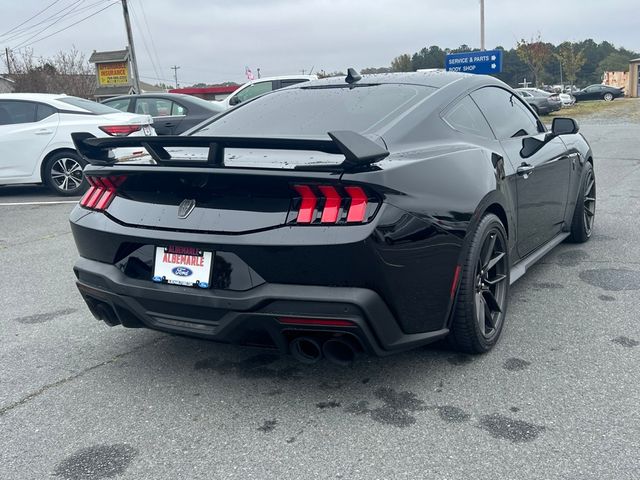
{"points": [[213, 40]]}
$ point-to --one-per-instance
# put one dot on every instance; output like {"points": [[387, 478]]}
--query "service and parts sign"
{"points": [[187, 266], [115, 73]]}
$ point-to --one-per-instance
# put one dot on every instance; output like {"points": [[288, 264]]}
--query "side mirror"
{"points": [[564, 126], [234, 101]]}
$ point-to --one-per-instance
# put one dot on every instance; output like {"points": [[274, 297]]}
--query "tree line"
{"points": [[579, 63]]}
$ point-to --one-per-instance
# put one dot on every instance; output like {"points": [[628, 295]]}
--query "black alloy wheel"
{"points": [[585, 211], [483, 291]]}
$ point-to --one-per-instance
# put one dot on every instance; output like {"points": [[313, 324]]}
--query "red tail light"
{"points": [[101, 192], [321, 322], [120, 130], [326, 204]]}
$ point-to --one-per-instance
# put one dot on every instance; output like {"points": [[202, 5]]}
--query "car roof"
{"points": [[434, 78], [31, 96], [52, 99], [284, 77]]}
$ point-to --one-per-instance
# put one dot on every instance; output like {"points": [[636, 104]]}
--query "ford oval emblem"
{"points": [[182, 271]]}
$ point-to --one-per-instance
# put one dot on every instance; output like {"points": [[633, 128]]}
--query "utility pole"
{"points": [[482, 25], [175, 73], [258, 70], [6, 52], [132, 51]]}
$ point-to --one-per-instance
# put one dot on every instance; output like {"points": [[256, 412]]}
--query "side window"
{"points": [[177, 109], [506, 113], [466, 117], [44, 111], [288, 83], [156, 107], [12, 112], [122, 104], [254, 90]]}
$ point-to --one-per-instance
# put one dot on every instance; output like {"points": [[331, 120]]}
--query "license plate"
{"points": [[147, 130], [186, 266]]}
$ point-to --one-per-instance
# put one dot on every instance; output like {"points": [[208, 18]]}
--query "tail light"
{"points": [[120, 130], [327, 204], [101, 192]]}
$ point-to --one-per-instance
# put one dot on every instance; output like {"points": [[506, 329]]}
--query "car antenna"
{"points": [[352, 76]]}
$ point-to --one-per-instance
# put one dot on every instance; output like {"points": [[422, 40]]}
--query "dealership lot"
{"points": [[557, 397]]}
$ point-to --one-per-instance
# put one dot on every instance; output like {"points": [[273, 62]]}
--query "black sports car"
{"points": [[371, 214], [598, 92]]}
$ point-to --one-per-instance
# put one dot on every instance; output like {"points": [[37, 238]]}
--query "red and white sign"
{"points": [[186, 266]]}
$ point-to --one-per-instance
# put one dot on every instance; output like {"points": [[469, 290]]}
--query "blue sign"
{"points": [[485, 62]]}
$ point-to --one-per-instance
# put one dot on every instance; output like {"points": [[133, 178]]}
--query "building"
{"points": [[208, 93]]}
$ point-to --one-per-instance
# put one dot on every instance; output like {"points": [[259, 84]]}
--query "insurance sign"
{"points": [[485, 62], [113, 73]]}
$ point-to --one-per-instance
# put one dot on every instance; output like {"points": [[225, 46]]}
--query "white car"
{"points": [[35, 137], [262, 85]]}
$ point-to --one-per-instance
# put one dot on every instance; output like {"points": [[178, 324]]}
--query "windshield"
{"points": [[93, 107], [316, 110]]}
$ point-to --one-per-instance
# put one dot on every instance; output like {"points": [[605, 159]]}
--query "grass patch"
{"points": [[625, 108]]}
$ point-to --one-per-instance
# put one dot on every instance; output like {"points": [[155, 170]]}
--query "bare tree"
{"points": [[66, 72], [535, 54]]}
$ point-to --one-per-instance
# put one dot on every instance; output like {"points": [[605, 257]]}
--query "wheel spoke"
{"points": [[75, 168], [65, 183], [75, 180], [480, 311], [488, 317], [588, 212], [590, 186], [491, 242], [491, 301], [57, 175], [494, 261], [589, 199], [495, 281]]}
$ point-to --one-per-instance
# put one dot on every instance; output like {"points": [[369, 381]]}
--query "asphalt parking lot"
{"points": [[557, 398]]}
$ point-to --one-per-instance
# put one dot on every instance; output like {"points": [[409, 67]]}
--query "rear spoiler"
{"points": [[359, 151]]}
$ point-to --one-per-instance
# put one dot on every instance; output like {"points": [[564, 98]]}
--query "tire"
{"points": [[482, 290], [62, 173], [585, 211], [608, 97]]}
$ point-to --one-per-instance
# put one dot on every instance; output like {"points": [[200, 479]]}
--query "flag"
{"points": [[249, 73]]}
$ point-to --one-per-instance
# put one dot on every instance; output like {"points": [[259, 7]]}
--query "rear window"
{"points": [[316, 110], [93, 107]]}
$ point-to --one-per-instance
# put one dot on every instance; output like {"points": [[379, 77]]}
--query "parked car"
{"points": [[387, 219], [173, 113], [261, 85], [542, 102], [35, 137], [598, 92]]}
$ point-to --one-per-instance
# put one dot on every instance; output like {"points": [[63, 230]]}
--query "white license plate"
{"points": [[187, 266]]}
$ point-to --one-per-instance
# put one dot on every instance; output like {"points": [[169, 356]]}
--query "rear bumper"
{"points": [[233, 316]]}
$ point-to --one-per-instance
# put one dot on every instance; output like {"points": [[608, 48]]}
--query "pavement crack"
{"points": [[63, 381]]}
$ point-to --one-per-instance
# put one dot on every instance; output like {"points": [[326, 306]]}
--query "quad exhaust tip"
{"points": [[305, 350], [339, 351]]}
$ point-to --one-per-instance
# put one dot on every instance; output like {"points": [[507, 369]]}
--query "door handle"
{"points": [[43, 131], [525, 169], [168, 124]]}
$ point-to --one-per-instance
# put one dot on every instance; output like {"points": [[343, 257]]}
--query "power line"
{"points": [[73, 7], [28, 30], [31, 18], [144, 40], [68, 26], [153, 45]]}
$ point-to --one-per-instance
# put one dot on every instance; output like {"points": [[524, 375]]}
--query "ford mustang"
{"points": [[338, 216]]}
